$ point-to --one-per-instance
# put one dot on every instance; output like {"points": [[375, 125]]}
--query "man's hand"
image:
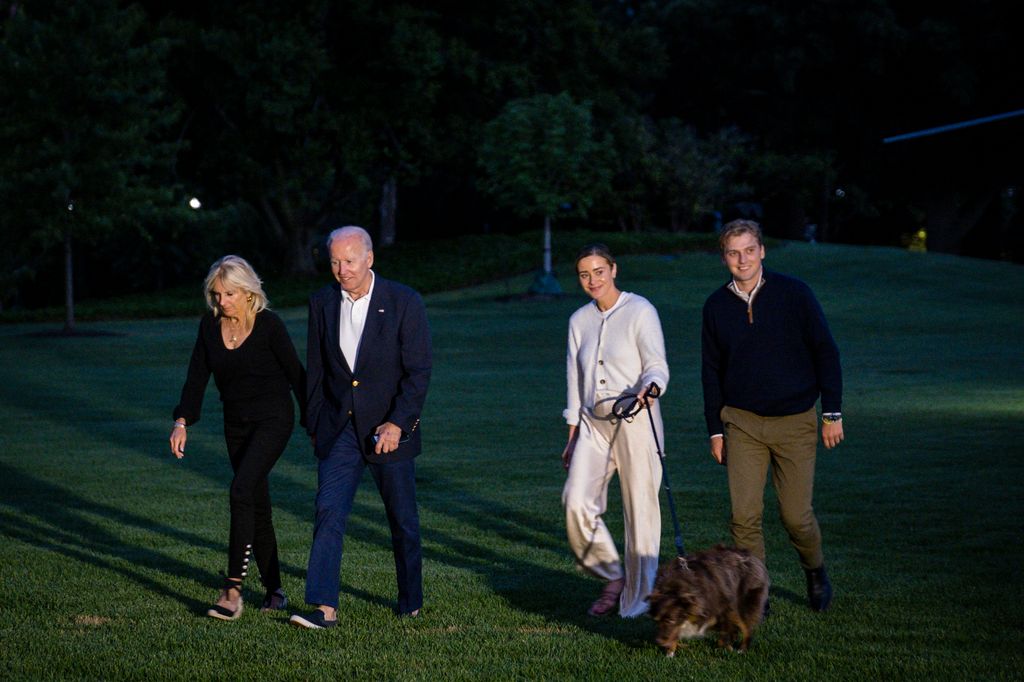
{"points": [[832, 433], [718, 449], [388, 435]]}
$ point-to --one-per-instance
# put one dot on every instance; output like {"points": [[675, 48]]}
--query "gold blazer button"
{"points": [[354, 383]]}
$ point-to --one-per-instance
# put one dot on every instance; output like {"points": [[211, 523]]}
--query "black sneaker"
{"points": [[314, 621]]}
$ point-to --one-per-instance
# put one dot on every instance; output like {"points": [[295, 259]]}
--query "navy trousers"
{"points": [[337, 479]]}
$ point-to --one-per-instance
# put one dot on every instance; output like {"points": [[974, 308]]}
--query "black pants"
{"points": [[254, 447]]}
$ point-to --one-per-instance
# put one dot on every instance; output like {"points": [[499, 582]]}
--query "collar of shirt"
{"points": [[623, 295], [744, 296], [365, 298]]}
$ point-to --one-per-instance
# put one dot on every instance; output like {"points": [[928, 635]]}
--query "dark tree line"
{"points": [[287, 119]]}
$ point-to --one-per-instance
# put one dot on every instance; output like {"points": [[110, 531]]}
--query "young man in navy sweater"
{"points": [[767, 357]]}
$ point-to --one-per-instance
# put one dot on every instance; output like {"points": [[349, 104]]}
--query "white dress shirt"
{"points": [[351, 322]]}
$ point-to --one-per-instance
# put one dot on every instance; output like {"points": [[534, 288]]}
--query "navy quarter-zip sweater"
{"points": [[774, 362]]}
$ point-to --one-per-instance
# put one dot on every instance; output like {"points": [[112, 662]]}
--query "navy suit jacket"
{"points": [[389, 381]]}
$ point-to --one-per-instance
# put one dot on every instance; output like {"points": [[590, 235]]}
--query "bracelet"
{"points": [[831, 417], [179, 425]]}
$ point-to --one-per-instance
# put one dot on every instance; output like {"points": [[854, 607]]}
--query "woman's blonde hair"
{"points": [[236, 271]]}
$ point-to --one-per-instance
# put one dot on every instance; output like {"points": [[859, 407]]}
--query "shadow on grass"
{"points": [[57, 520], [792, 597], [525, 586], [70, 333], [522, 584]]}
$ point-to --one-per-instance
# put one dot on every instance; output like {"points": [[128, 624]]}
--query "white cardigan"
{"points": [[610, 353]]}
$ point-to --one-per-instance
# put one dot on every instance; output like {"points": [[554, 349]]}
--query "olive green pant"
{"points": [[789, 445]]}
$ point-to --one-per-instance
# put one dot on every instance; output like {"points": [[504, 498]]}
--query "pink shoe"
{"points": [[608, 602]]}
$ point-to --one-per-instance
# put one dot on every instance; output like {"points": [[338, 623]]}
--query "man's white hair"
{"points": [[351, 231]]}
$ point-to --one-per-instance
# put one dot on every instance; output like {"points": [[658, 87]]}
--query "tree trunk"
{"points": [[636, 217], [546, 284], [69, 283], [388, 211], [297, 239], [547, 245], [300, 251]]}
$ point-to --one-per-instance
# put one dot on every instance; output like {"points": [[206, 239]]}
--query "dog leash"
{"points": [[627, 407]]}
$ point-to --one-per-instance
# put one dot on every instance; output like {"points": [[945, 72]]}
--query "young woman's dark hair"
{"points": [[596, 249]]}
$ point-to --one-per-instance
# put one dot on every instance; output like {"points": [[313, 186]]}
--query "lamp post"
{"points": [[69, 284]]}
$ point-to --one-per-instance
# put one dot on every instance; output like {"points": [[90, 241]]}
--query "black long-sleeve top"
{"points": [[774, 360], [254, 379]]}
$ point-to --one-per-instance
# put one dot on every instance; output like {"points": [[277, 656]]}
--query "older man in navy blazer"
{"points": [[368, 365]]}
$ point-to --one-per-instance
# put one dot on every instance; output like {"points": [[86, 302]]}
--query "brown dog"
{"points": [[723, 589]]}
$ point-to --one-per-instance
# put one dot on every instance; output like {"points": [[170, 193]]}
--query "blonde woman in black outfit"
{"points": [[247, 349]]}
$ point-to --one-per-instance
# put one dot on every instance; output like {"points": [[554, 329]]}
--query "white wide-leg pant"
{"points": [[604, 447]]}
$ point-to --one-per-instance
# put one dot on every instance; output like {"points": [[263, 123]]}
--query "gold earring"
{"points": [[249, 299]]}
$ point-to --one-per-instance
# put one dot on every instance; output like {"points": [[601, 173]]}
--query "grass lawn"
{"points": [[110, 549]]}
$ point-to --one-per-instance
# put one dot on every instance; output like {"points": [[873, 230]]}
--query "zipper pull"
{"points": [[750, 314]]}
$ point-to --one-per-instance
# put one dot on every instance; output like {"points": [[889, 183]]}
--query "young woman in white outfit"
{"points": [[615, 346]]}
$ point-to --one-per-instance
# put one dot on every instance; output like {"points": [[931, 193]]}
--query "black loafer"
{"points": [[314, 621], [275, 601]]}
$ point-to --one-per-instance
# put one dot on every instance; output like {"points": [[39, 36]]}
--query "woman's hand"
{"points": [[178, 438], [648, 394], [569, 448]]}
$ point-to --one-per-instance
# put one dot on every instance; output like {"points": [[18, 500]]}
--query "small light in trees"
{"points": [[840, 193], [195, 203], [71, 206]]}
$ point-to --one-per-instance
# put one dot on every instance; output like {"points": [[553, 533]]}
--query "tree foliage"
{"points": [[540, 157], [264, 135], [410, 117], [702, 173], [87, 130]]}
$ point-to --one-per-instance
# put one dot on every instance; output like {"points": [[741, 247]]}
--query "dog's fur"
{"points": [[723, 589]]}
